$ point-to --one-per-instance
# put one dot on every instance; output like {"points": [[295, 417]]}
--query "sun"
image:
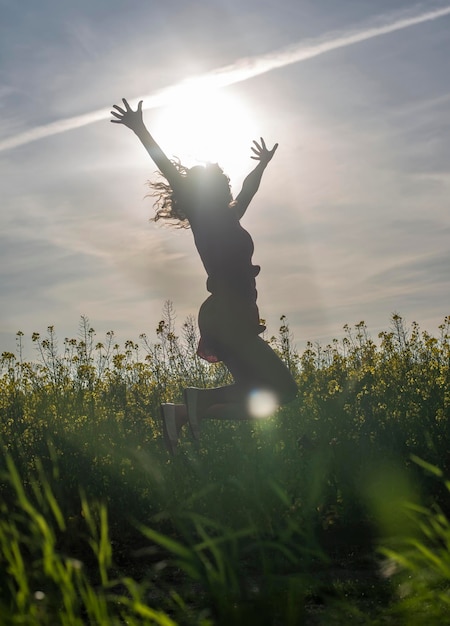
{"points": [[206, 124]]}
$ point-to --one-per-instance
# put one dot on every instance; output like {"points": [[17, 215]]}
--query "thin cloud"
{"points": [[242, 70]]}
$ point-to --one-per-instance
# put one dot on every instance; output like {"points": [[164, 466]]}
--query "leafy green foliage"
{"points": [[419, 562], [249, 526]]}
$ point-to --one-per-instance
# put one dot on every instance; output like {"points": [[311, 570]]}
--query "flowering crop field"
{"points": [[333, 509]]}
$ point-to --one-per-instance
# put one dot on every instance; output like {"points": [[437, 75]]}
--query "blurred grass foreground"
{"points": [[334, 510]]}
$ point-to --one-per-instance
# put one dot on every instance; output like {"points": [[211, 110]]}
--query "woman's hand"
{"points": [[262, 154], [133, 119], [128, 117], [252, 180]]}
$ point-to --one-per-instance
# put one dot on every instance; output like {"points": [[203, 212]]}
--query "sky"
{"points": [[352, 218]]}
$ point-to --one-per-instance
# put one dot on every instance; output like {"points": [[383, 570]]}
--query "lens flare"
{"points": [[262, 403]]}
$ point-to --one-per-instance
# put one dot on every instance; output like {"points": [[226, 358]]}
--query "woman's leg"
{"points": [[256, 368], [174, 417]]}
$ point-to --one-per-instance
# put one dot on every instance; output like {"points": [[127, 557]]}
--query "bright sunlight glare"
{"points": [[262, 403], [206, 124]]}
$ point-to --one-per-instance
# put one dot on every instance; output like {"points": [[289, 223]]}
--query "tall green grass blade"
{"points": [[427, 466], [172, 546]]}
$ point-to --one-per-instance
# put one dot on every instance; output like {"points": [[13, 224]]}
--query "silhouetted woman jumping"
{"points": [[200, 197]]}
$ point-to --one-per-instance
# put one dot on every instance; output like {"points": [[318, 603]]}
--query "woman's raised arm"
{"points": [[251, 183], [133, 120]]}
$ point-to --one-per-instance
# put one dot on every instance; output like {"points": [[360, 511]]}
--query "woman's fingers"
{"points": [[261, 152], [126, 115], [119, 114]]}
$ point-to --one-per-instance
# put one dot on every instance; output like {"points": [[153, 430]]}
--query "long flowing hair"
{"points": [[169, 205]]}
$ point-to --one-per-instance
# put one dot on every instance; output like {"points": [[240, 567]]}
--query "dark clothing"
{"points": [[230, 313], [222, 322], [229, 319], [226, 250]]}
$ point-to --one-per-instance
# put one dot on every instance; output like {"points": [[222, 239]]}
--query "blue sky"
{"points": [[352, 219]]}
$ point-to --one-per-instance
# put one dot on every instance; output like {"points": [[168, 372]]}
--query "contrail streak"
{"points": [[237, 72]]}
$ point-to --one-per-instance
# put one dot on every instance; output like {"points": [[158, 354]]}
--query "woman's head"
{"points": [[204, 188], [207, 186]]}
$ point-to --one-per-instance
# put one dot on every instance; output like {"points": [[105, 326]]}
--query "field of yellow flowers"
{"points": [[334, 509]]}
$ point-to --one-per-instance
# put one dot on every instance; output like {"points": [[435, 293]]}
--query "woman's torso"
{"points": [[226, 250]]}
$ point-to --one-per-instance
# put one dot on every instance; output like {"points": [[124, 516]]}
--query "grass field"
{"points": [[334, 510]]}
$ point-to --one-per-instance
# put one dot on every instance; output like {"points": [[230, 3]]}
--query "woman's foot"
{"points": [[191, 401], [173, 419]]}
